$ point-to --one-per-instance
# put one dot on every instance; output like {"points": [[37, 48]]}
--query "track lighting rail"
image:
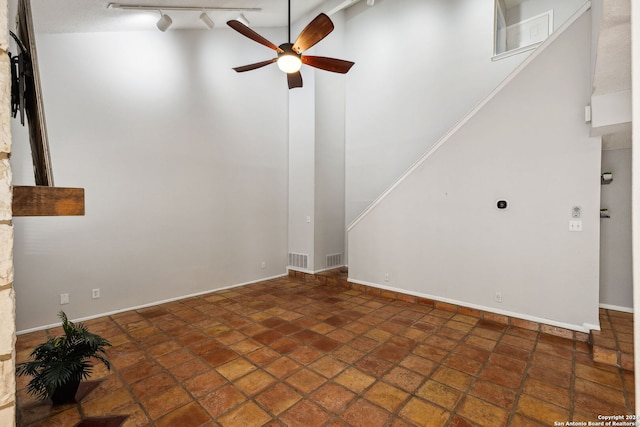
{"points": [[182, 8]]}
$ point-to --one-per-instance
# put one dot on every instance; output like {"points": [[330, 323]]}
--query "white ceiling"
{"points": [[71, 16], [613, 62]]}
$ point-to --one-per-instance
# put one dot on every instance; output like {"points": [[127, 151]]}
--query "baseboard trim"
{"points": [[617, 308], [328, 269], [300, 270], [307, 271], [510, 314], [151, 304]]}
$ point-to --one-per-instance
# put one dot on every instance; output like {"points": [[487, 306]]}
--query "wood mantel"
{"points": [[47, 201]]}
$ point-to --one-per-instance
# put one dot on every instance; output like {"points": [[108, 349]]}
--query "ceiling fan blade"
{"points": [[255, 66], [294, 79], [329, 64], [315, 31], [248, 32]]}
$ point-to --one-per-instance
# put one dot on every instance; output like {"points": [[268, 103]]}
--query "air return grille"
{"points": [[298, 260], [334, 260]]}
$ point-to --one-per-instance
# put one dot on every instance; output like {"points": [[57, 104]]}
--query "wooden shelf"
{"points": [[47, 201]]}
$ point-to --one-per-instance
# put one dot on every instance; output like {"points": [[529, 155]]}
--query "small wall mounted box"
{"points": [[576, 212], [606, 178], [502, 204]]}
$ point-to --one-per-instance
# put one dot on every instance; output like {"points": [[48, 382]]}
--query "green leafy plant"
{"points": [[59, 364]]}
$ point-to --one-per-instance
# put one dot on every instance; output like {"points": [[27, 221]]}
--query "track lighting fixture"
{"points": [[164, 22], [181, 8], [243, 19], [206, 20]]}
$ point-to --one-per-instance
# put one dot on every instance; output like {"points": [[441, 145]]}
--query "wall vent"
{"points": [[298, 260], [334, 260]]}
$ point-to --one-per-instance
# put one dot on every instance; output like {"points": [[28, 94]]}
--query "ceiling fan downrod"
{"points": [[289, 20]]}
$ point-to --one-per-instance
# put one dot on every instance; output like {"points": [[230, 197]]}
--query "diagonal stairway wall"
{"points": [[437, 232]]}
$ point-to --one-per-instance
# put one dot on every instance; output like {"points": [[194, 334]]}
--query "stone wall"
{"points": [[7, 300]]}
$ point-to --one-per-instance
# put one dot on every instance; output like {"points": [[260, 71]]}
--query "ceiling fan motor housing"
{"points": [[287, 49]]}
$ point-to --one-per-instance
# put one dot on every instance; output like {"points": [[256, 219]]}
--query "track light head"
{"points": [[243, 19], [206, 20], [164, 22]]}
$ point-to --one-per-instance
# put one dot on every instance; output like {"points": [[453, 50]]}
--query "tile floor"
{"points": [[613, 344], [287, 352]]}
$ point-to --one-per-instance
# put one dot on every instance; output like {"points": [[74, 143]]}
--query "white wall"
{"points": [[562, 10], [184, 164], [438, 232], [635, 186], [316, 154], [302, 166], [420, 67], [616, 282], [330, 233]]}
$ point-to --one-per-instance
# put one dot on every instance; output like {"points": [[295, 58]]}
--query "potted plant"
{"points": [[59, 364]]}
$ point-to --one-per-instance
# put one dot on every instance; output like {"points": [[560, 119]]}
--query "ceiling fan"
{"points": [[290, 57]]}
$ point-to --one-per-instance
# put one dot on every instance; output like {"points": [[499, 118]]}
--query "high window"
{"points": [[518, 27]]}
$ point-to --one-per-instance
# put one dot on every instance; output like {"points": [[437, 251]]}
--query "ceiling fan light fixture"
{"points": [[289, 63], [206, 19], [164, 22]]}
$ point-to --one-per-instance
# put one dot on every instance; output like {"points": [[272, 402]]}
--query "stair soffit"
{"points": [[613, 64]]}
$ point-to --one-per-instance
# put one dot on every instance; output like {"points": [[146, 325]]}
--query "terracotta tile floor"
{"points": [[294, 353], [613, 344]]}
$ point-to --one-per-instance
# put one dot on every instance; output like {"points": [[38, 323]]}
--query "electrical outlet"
{"points": [[95, 293], [386, 277], [498, 296], [263, 265], [575, 225], [64, 299]]}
